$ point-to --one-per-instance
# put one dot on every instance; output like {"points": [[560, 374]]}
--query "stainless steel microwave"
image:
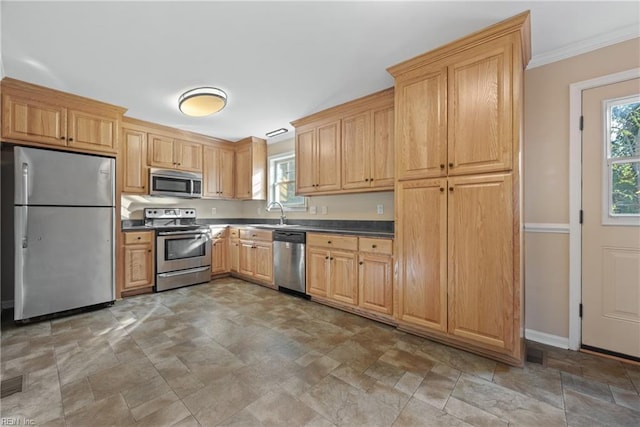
{"points": [[166, 182]]}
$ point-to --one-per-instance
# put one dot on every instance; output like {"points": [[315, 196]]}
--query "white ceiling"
{"points": [[278, 61]]}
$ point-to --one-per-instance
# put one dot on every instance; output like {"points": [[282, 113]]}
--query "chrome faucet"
{"points": [[282, 217]]}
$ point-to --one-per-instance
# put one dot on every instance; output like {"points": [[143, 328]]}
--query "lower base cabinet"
{"points": [[138, 261], [350, 272], [255, 256], [219, 249]]}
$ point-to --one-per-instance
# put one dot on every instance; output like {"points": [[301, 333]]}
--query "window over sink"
{"points": [[282, 182]]}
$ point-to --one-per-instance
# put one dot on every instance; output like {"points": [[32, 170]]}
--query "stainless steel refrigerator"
{"points": [[63, 224]]}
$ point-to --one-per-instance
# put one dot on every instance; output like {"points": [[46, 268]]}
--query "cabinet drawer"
{"points": [[349, 243], [218, 233], [135, 237], [375, 246], [253, 234]]}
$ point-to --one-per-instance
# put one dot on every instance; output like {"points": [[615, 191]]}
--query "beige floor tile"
{"points": [[583, 410], [278, 408], [354, 378], [419, 413], [40, 401], [76, 395], [627, 398], [585, 386], [121, 377], [243, 418], [472, 414], [507, 404], [418, 364], [544, 384], [153, 389], [166, 415], [437, 385], [409, 383], [385, 373], [110, 411]]}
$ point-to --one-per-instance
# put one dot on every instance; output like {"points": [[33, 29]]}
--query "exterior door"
{"points": [[611, 220]]}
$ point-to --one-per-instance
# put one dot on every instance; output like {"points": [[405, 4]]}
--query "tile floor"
{"points": [[230, 353]]}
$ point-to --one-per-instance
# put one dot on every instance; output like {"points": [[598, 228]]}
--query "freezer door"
{"points": [[64, 259], [54, 178]]}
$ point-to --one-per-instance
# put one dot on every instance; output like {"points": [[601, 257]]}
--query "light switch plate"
{"points": [[214, 211], [380, 209], [324, 210], [312, 210], [259, 211]]}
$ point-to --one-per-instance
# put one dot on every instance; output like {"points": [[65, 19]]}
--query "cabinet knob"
{"points": [[450, 188], [366, 180], [441, 189], [149, 251], [138, 237], [70, 139], [328, 242], [62, 137], [371, 179], [361, 262], [374, 246], [441, 165], [450, 165], [326, 257], [330, 258]]}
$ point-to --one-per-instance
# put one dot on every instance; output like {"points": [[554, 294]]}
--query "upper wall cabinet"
{"points": [[348, 148], [251, 169], [41, 116], [134, 156], [456, 113], [170, 153], [218, 172]]}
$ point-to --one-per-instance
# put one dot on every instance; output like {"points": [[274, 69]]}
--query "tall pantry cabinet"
{"points": [[458, 191]]}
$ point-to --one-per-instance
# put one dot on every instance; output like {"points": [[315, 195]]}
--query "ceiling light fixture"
{"points": [[276, 132], [202, 101]]}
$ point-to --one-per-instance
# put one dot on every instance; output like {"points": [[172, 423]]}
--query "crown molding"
{"points": [[583, 46]]}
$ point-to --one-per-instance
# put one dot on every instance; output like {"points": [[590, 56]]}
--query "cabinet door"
{"points": [[343, 283], [91, 131], [28, 120], [264, 261], [421, 235], [188, 156], [305, 162], [382, 148], [243, 173], [317, 271], [136, 175], [356, 151], [211, 172], [481, 280], [219, 256], [480, 110], [421, 129], [328, 159], [160, 151], [246, 263], [138, 266], [234, 255], [227, 170], [375, 283]]}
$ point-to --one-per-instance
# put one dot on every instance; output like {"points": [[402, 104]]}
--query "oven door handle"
{"points": [[182, 233], [181, 272]]}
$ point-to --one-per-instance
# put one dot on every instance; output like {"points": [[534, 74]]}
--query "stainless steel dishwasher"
{"points": [[288, 260]]}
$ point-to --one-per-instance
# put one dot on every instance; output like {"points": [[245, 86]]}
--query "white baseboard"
{"points": [[548, 339], [7, 304]]}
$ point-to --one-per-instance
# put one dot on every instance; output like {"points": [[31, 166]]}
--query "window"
{"points": [[282, 178], [622, 161]]}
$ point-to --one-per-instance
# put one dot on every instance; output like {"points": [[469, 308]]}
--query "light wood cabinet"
{"points": [[134, 158], [332, 271], [219, 249], [367, 150], [138, 260], [458, 187], [255, 256], [251, 169], [39, 115], [481, 253], [348, 148], [218, 173], [169, 153], [318, 159], [375, 275], [234, 250]]}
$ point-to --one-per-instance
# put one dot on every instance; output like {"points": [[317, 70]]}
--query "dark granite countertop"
{"points": [[357, 228]]}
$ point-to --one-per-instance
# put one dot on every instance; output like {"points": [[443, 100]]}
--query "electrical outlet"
{"points": [[214, 211], [324, 210], [259, 211], [380, 209], [312, 210]]}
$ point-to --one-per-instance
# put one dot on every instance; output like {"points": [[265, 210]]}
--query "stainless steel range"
{"points": [[183, 248]]}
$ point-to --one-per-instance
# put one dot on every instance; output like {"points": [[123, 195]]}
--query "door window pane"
{"points": [[622, 139]]}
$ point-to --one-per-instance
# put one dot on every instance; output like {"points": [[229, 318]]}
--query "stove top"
{"points": [[171, 219]]}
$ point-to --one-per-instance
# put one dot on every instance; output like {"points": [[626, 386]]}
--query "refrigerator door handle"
{"points": [[25, 183], [25, 225]]}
